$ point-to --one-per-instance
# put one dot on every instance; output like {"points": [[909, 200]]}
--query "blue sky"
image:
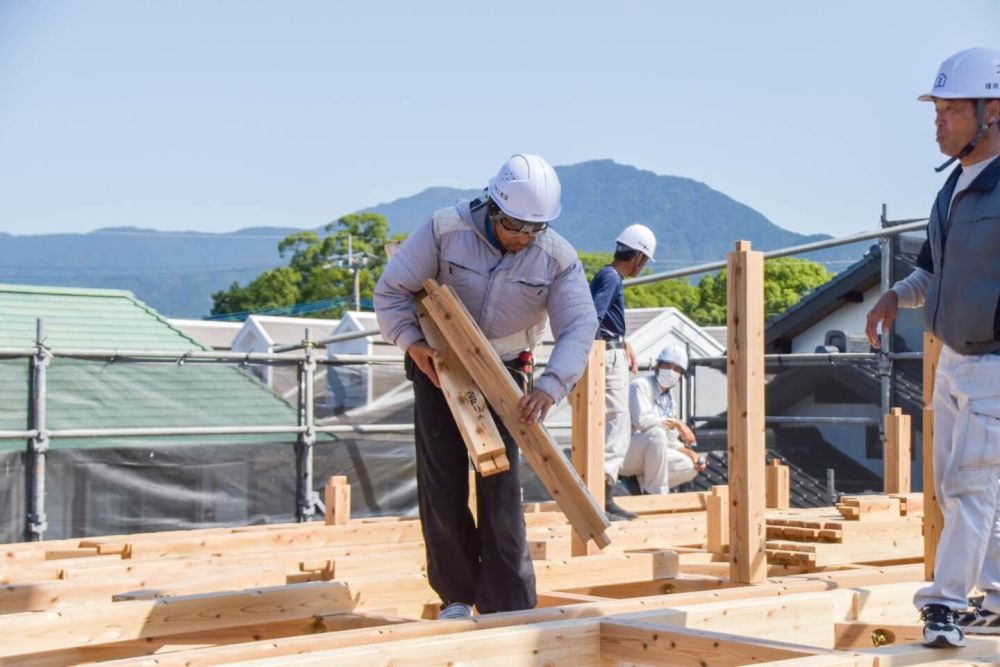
{"points": [[214, 116]]}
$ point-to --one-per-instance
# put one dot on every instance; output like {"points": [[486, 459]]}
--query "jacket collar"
{"points": [[989, 177]]}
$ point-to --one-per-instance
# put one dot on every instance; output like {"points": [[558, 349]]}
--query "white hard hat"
{"points": [[970, 74], [638, 237], [673, 354], [527, 188]]}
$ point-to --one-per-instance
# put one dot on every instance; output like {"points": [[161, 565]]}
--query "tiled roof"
{"points": [[82, 394]]}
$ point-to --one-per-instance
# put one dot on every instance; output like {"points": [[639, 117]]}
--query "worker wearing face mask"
{"points": [[660, 452]]}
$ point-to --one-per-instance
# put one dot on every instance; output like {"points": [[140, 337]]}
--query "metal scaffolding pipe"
{"points": [[18, 435], [782, 252], [886, 368], [798, 420], [304, 502], [172, 430], [353, 335], [38, 444]]}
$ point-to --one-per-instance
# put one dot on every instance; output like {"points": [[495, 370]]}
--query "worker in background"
{"points": [[511, 271], [661, 450], [633, 248], [958, 284]]}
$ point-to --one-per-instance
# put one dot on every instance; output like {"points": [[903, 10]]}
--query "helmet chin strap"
{"points": [[984, 127]]}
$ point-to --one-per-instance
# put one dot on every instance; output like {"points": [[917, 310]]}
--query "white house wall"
{"points": [[849, 318]]}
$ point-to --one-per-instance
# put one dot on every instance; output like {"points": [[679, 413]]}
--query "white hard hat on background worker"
{"points": [[638, 237], [673, 354], [527, 188], [973, 74]]}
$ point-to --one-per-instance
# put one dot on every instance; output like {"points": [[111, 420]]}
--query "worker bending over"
{"points": [[511, 272]]}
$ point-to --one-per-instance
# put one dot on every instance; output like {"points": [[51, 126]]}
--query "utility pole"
{"points": [[355, 261]]}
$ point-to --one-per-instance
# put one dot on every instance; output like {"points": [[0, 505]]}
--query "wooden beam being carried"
{"points": [[933, 519], [503, 394], [745, 414], [466, 401], [587, 403], [896, 457]]}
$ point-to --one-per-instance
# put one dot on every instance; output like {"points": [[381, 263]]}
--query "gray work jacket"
{"points": [[962, 306], [505, 293]]}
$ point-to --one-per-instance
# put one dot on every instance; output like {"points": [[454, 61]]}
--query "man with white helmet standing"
{"points": [[511, 272], [660, 452], [958, 284], [633, 248]]}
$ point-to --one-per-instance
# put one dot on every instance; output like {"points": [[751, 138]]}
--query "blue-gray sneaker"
{"points": [[941, 629], [980, 622], [455, 610]]}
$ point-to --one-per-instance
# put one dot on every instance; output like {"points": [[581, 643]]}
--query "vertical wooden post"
{"points": [[587, 403], [745, 432], [933, 519], [337, 497], [896, 457], [778, 483], [717, 516]]}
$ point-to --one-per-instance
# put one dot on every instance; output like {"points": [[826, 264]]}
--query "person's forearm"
{"points": [[912, 290]]}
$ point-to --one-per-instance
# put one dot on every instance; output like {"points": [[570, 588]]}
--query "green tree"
{"points": [[316, 269], [786, 281]]}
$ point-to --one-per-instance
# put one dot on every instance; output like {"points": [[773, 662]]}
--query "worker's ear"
{"points": [[993, 112]]}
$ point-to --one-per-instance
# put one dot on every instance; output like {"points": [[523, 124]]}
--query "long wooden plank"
{"points": [[587, 404], [657, 503], [574, 643], [541, 452], [659, 644], [745, 413], [25, 633], [64, 594]]}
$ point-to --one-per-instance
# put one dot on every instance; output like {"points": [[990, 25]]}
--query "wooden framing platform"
{"points": [[355, 593]]}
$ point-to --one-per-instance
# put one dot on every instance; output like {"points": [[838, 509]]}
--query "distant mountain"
{"points": [[174, 272], [177, 272], [693, 223]]}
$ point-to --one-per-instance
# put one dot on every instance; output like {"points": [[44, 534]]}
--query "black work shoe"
{"points": [[980, 622], [615, 511], [941, 629]]}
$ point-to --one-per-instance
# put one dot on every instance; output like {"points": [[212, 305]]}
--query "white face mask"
{"points": [[667, 378]]}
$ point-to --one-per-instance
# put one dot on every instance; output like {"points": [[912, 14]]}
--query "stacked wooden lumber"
{"points": [[863, 529]]}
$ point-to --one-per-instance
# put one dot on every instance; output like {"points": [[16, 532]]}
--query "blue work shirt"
{"points": [[608, 291]]}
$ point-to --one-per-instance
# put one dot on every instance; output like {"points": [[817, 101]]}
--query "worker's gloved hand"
{"points": [[883, 312], [423, 356], [534, 406]]}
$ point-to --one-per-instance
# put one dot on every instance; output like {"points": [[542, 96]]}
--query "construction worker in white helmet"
{"points": [[633, 248], [957, 282], [511, 271], [661, 452]]}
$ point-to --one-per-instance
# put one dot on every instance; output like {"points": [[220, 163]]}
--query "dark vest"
{"points": [[962, 307]]}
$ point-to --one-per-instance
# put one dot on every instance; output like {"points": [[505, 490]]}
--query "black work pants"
{"points": [[487, 565]]}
